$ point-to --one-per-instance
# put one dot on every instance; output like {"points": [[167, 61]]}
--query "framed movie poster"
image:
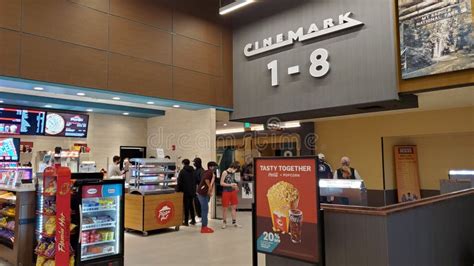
{"points": [[436, 36], [287, 218]]}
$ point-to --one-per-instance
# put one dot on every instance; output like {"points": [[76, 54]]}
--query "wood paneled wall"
{"points": [[161, 48]]}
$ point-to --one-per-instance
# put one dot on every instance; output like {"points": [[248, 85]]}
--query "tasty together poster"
{"points": [[287, 208]]}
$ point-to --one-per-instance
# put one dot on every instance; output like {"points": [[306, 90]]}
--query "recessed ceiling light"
{"points": [[1, 101], [234, 6], [125, 113], [38, 88], [89, 110], [176, 105], [116, 98], [225, 124], [150, 102], [48, 106], [80, 94]]}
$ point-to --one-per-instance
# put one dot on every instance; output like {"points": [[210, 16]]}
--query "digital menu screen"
{"points": [[14, 121], [9, 149], [66, 125]]}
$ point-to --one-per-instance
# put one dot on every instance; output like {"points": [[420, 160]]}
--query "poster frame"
{"points": [[319, 214]]}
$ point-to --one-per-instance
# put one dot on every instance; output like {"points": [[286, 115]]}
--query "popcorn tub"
{"points": [[282, 197]]}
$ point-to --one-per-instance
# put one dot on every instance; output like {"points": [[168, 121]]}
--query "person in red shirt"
{"points": [[204, 192], [229, 194]]}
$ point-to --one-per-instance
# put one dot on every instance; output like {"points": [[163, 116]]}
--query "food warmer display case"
{"points": [[344, 191], [152, 202]]}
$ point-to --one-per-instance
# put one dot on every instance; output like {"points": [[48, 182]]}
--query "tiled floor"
{"points": [[232, 246]]}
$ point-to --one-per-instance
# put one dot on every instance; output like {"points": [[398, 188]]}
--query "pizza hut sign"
{"points": [[164, 212]]}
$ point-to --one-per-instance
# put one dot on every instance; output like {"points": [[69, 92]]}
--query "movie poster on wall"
{"points": [[436, 36], [287, 208]]}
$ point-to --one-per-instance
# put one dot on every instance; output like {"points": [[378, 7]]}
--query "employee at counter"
{"points": [[345, 171], [114, 169]]}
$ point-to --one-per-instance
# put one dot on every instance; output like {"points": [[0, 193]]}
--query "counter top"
{"points": [[23, 188], [386, 210]]}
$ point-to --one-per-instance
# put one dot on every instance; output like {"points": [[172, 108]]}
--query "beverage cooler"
{"points": [[100, 208]]}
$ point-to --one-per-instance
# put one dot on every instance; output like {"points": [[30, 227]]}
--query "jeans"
{"points": [[204, 201]]}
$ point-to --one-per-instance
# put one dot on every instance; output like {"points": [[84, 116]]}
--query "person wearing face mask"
{"points": [[345, 171], [229, 194]]}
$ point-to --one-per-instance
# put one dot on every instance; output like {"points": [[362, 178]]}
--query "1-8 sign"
{"points": [[319, 66]]}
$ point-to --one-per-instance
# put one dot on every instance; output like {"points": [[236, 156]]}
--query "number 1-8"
{"points": [[318, 68]]}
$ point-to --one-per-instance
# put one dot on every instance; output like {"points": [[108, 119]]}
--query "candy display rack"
{"points": [[17, 219], [54, 216]]}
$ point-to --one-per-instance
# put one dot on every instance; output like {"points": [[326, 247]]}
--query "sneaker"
{"points": [[206, 230], [236, 225], [192, 223], [224, 226]]}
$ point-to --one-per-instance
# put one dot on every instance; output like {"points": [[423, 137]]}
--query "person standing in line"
{"points": [[229, 194], [204, 192], [324, 172], [187, 185], [345, 171], [198, 173]]}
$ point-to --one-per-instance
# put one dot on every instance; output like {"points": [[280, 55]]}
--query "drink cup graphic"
{"points": [[296, 222], [282, 197]]}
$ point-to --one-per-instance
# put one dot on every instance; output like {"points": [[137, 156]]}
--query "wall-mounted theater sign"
{"points": [[314, 58]]}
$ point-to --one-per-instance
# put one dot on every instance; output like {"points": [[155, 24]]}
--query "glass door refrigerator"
{"points": [[100, 217]]}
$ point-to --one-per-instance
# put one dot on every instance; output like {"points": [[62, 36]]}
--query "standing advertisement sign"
{"points": [[406, 170], [287, 213]]}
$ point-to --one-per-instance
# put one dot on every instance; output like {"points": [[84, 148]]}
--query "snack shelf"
{"points": [[98, 243], [6, 242], [92, 256], [7, 214], [99, 209], [95, 226], [10, 201], [46, 214]]}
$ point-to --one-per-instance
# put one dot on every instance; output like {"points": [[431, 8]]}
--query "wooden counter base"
{"points": [[142, 213]]}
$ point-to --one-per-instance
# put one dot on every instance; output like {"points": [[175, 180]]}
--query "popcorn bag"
{"points": [[282, 197]]}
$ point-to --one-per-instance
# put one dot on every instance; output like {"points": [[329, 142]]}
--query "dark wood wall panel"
{"points": [[66, 21], [56, 61], [226, 93], [194, 87], [133, 75], [157, 13], [196, 55], [9, 53], [139, 40], [160, 48], [102, 5], [10, 14], [197, 28]]}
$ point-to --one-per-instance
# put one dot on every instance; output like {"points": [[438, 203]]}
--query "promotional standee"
{"points": [[287, 208]]}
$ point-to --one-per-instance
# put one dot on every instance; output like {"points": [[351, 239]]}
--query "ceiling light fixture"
{"points": [[80, 94], [225, 124], [290, 125], [257, 128], [48, 106], [234, 6], [38, 88], [1, 101], [125, 113], [150, 102], [230, 131], [176, 105], [89, 110], [116, 98]]}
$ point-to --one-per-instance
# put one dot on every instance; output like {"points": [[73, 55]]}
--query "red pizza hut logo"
{"points": [[164, 212]]}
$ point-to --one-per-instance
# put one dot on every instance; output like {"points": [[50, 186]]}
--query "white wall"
{"points": [[193, 133], [105, 136]]}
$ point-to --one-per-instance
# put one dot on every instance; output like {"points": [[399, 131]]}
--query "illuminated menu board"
{"points": [[14, 121], [66, 125]]}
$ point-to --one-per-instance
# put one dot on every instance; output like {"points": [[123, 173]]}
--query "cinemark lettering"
{"points": [[279, 41]]}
